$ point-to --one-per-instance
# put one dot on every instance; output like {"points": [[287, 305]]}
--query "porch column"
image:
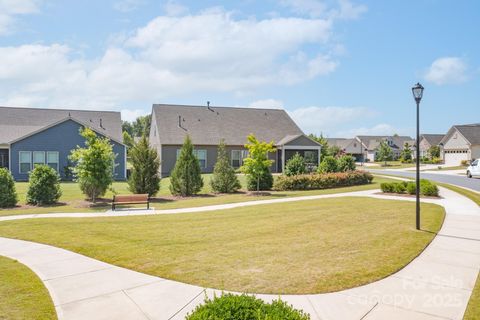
{"points": [[283, 159]]}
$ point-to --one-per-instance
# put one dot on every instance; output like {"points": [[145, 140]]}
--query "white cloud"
{"points": [[173, 8], [131, 115], [447, 70], [128, 5], [327, 119], [11, 8], [266, 104], [211, 51], [379, 129]]}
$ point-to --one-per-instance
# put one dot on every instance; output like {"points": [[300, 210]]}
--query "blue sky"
{"points": [[339, 67]]}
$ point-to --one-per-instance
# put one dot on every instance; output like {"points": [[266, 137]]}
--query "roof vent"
{"points": [[101, 124], [179, 121], [208, 106]]}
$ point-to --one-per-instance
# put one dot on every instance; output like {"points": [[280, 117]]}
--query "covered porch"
{"points": [[309, 149]]}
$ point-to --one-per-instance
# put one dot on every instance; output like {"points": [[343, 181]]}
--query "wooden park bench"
{"points": [[131, 199]]}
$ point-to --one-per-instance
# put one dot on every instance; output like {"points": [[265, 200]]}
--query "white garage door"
{"points": [[455, 157]]}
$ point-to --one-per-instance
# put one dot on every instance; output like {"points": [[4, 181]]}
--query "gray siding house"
{"points": [[207, 126], [30, 136]]}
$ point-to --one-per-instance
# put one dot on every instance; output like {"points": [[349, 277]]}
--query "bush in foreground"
{"points": [[8, 194], [427, 188], [43, 186], [245, 307], [322, 181]]}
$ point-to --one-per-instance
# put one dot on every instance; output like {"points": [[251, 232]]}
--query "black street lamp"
{"points": [[417, 91]]}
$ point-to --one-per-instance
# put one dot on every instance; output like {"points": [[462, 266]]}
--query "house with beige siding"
{"points": [[208, 125], [429, 140], [461, 143]]}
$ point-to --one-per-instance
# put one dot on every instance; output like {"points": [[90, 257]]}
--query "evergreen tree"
{"points": [[224, 179], [94, 164], [186, 178], [128, 140], [145, 177], [8, 194], [43, 186], [407, 152]]}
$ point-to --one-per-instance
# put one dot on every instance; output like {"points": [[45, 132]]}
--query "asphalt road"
{"points": [[460, 181]]}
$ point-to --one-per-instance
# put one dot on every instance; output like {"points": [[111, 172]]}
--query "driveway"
{"points": [[445, 178]]}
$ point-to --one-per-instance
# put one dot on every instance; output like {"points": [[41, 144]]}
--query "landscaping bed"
{"points": [[285, 248]]}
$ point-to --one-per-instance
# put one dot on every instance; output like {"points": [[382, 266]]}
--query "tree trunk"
{"points": [[258, 184]]}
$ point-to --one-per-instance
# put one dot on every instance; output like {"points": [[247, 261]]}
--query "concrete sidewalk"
{"points": [[436, 285]]}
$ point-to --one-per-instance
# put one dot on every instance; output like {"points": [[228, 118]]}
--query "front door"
{"points": [[3, 158]]}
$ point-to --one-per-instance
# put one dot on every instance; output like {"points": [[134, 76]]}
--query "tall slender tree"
{"points": [[224, 179], [186, 177], [145, 177]]}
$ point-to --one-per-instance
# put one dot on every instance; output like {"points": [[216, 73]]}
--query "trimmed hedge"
{"points": [[427, 188], [322, 181], [245, 307]]}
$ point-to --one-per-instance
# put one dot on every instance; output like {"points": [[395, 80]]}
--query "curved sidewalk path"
{"points": [[436, 285]]}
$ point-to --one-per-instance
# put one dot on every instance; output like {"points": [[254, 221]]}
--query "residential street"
{"points": [[460, 181]]}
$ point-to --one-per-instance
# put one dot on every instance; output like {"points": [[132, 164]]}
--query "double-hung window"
{"points": [[237, 157], [52, 159], [38, 158], [25, 159]]}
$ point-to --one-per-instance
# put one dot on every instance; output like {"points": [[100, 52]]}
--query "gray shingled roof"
{"points": [[16, 123], [339, 142], [471, 132], [372, 142], [433, 139], [207, 126]]}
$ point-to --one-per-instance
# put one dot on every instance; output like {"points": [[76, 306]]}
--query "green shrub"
{"points": [[8, 194], [224, 179], [43, 186], [322, 181], [145, 176], [400, 187], [245, 307], [346, 163], [387, 187], [427, 188], [186, 177], [328, 165], [295, 165], [266, 182], [411, 188]]}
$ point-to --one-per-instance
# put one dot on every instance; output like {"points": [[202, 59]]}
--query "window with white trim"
{"points": [[25, 161], [38, 158], [53, 159], [237, 157], [201, 155]]}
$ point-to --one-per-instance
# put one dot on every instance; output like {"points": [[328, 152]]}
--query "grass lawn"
{"points": [[473, 309], [22, 294], [72, 199], [300, 247]]}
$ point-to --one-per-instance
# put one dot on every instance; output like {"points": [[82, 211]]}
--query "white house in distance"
{"points": [[462, 142]]}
